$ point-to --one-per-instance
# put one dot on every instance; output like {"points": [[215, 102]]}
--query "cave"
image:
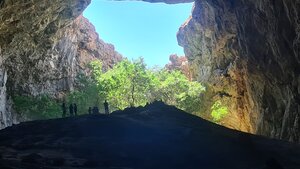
{"points": [[246, 52]]}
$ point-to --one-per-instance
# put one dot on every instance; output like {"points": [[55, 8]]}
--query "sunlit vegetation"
{"points": [[132, 84], [85, 96], [46, 107], [34, 108], [127, 84], [218, 111]]}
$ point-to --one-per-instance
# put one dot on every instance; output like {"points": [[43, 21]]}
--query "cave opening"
{"points": [[145, 33], [140, 29], [63, 87], [146, 36]]}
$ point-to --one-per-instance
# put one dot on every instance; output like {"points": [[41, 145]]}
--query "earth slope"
{"points": [[151, 137]]}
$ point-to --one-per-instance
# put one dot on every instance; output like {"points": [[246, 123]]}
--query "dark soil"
{"points": [[153, 137]]}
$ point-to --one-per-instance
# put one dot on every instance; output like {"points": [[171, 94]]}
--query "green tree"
{"points": [[132, 84], [86, 95], [176, 89], [127, 84]]}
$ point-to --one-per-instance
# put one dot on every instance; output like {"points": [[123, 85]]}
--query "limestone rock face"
{"points": [[44, 46], [248, 54], [179, 63]]}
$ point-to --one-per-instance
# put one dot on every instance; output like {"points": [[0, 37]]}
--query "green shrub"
{"points": [[36, 108], [218, 111]]}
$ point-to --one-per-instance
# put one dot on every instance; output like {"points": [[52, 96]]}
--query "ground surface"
{"points": [[154, 137]]}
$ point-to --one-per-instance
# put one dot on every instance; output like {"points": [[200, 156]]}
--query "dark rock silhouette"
{"points": [[153, 137]]}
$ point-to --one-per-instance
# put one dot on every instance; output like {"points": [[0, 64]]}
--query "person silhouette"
{"points": [[75, 109], [95, 110], [64, 109], [90, 110], [71, 110], [106, 107]]}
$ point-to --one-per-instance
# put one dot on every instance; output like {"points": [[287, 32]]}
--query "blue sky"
{"points": [[140, 28]]}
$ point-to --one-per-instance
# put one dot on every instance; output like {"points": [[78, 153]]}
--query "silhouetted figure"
{"points": [[71, 109], [95, 110], [90, 110], [106, 107], [75, 109], [64, 109]]}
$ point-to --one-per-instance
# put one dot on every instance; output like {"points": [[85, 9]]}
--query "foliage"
{"points": [[128, 84], [176, 89], [39, 107], [45, 107], [132, 84], [86, 95], [125, 85], [218, 111]]}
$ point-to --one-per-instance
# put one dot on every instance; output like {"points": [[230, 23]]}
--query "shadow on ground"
{"points": [[153, 137]]}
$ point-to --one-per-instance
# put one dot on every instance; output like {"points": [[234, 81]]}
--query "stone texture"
{"points": [[247, 52], [179, 63], [44, 46]]}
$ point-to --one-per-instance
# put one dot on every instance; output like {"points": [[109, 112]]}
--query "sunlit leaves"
{"points": [[132, 84], [218, 111]]}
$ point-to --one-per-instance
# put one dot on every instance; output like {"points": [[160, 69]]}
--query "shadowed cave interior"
{"points": [[240, 70]]}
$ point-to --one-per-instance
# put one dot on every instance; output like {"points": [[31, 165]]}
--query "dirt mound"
{"points": [[156, 136]]}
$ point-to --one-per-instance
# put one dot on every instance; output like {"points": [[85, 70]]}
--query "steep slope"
{"points": [[157, 136], [247, 53], [44, 46]]}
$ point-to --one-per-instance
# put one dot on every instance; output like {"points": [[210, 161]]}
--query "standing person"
{"points": [[75, 109], [64, 109], [95, 110], [71, 109], [90, 110], [106, 107]]}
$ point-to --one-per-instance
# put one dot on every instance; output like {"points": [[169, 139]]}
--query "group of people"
{"points": [[73, 109]]}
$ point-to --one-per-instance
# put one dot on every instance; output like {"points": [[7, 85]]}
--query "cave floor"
{"points": [[153, 137]]}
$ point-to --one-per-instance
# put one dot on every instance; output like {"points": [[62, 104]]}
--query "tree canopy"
{"points": [[132, 84], [127, 84]]}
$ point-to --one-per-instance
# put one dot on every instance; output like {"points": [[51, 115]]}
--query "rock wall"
{"points": [[247, 53], [44, 46], [179, 63]]}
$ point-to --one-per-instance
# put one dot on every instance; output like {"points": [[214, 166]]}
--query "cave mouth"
{"points": [[140, 29], [145, 33]]}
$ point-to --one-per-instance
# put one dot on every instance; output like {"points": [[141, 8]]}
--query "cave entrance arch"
{"points": [[138, 28]]}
